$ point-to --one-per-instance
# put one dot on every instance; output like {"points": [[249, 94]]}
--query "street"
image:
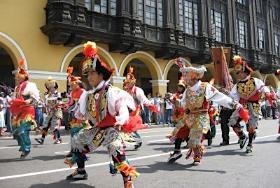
{"points": [[226, 166]]}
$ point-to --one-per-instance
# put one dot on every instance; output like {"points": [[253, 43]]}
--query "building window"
{"points": [[217, 25], [88, 4], [102, 6], [150, 12], [260, 38], [188, 17], [259, 6], [276, 42], [243, 2], [241, 34], [152, 9]]}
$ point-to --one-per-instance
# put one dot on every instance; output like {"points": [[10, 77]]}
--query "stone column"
{"points": [[159, 86], [117, 81]]}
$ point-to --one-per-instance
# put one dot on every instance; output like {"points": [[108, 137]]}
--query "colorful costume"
{"points": [[213, 113], [178, 116], [53, 106], [76, 91], [22, 109], [195, 101], [140, 101], [248, 92], [107, 110]]}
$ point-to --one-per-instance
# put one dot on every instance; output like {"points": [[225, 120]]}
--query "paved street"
{"points": [[226, 166]]}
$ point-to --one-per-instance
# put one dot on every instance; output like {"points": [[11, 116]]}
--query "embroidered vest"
{"points": [[97, 108], [247, 91], [196, 99]]}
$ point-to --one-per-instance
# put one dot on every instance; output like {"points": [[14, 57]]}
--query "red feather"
{"points": [[70, 70], [90, 49], [244, 114], [153, 108]]}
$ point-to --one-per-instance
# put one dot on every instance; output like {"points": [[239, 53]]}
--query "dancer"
{"points": [[22, 109], [76, 91], [195, 102], [248, 91], [53, 105], [179, 112], [140, 101], [107, 110]]}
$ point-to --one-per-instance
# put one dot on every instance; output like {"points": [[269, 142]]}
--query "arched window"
{"points": [[188, 17], [150, 12], [102, 6]]}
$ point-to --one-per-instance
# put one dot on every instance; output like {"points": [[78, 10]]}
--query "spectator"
{"points": [[168, 108], [2, 112], [157, 103]]}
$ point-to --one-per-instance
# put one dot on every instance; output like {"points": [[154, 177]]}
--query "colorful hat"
{"points": [[22, 71], [241, 65], [190, 72], [51, 83], [93, 62], [72, 79], [130, 79]]}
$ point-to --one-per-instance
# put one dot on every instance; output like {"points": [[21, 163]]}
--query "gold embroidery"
{"points": [[91, 107], [98, 138], [246, 89]]}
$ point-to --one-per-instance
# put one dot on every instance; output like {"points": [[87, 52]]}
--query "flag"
{"points": [[221, 58]]}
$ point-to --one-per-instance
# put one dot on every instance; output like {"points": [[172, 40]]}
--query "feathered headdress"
{"points": [[194, 72], [72, 79], [22, 68], [51, 83], [241, 65], [130, 79], [93, 62]]}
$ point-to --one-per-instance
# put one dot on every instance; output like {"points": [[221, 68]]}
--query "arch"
{"points": [[271, 79], [13, 49], [169, 65], [78, 49], [147, 59]]}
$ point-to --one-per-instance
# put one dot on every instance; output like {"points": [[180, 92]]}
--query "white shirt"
{"points": [[118, 102], [211, 94]]}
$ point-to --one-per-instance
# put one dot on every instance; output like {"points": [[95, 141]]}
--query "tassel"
{"points": [[128, 170]]}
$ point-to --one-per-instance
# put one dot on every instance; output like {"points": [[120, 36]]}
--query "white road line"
{"points": [[163, 140], [100, 164]]}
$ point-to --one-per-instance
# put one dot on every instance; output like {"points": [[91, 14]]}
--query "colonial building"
{"points": [[148, 34]]}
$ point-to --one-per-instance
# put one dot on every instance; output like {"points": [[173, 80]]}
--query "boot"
{"points": [[174, 156], [243, 142], [24, 154], [78, 175], [249, 148], [196, 160], [40, 140]]}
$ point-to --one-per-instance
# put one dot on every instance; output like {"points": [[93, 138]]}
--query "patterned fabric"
{"points": [[246, 89], [21, 134], [95, 137], [197, 119]]}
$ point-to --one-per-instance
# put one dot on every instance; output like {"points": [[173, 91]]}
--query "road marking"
{"points": [[163, 140], [87, 166], [100, 164]]}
